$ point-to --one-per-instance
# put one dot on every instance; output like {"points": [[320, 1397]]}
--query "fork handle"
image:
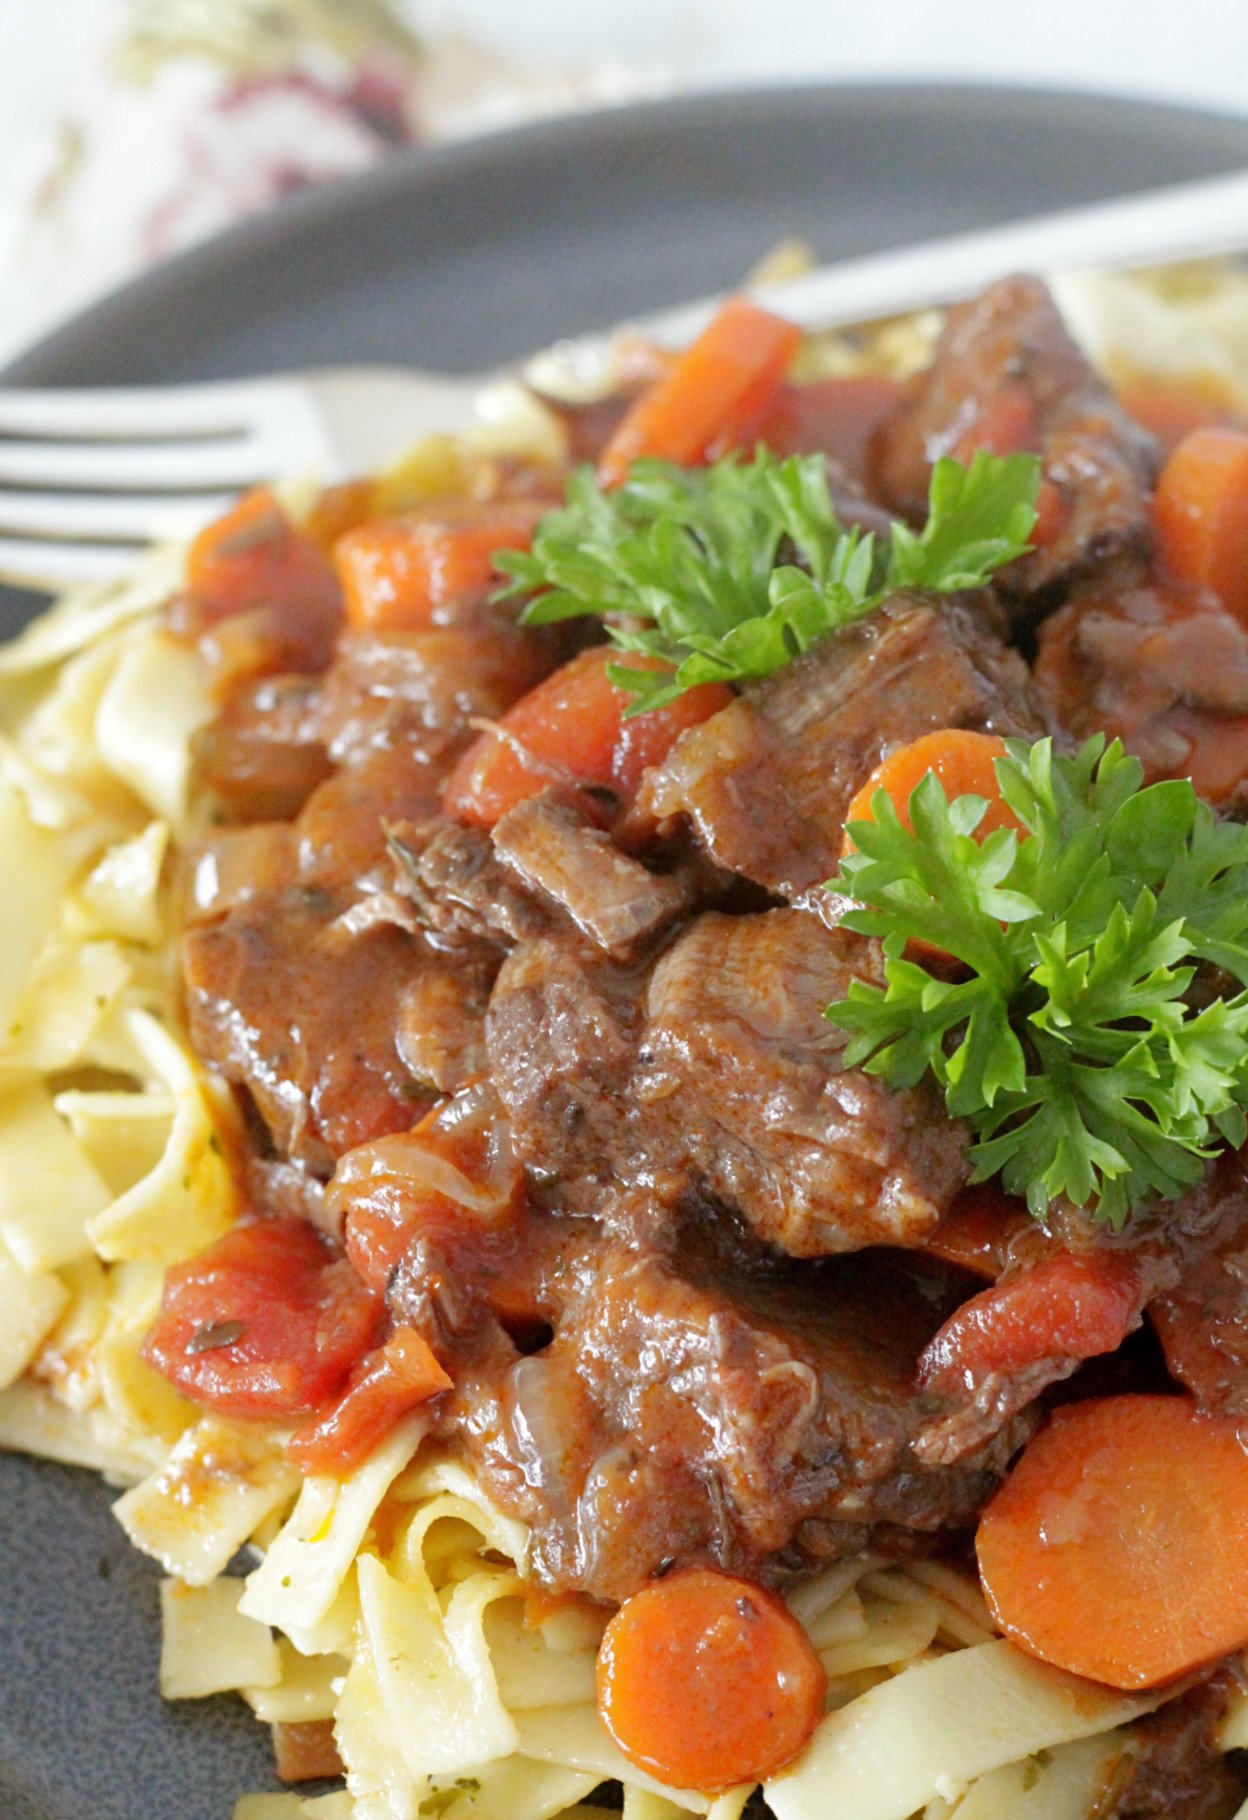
{"points": [[1183, 221]]}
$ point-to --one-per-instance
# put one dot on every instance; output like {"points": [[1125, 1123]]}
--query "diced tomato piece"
{"points": [[266, 1323], [570, 733], [1075, 1305], [452, 1180], [384, 1387], [836, 417], [975, 1231], [379, 1230], [712, 398], [397, 572]]}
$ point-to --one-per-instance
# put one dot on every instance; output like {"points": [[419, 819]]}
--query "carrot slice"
{"points": [[712, 397], [398, 1377], [706, 1681], [254, 557], [963, 762], [570, 732], [397, 572], [1170, 412], [1118, 1547], [1201, 515]]}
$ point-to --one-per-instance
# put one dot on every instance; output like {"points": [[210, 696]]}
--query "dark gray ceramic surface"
{"points": [[460, 258]]}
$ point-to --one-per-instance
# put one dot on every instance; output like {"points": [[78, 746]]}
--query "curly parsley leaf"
{"points": [[1073, 1047], [726, 573]]}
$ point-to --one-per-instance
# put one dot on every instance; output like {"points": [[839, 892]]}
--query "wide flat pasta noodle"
{"points": [[948, 1721], [30, 1306], [295, 1586], [208, 1497], [208, 1646]]}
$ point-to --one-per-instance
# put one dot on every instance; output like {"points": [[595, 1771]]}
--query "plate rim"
{"points": [[311, 210]]}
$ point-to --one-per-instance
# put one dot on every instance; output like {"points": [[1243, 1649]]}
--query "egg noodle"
{"points": [[391, 1603]]}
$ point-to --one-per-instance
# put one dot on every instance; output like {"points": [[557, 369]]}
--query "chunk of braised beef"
{"points": [[462, 893], [311, 993], [765, 783], [1162, 670], [1202, 1320], [1175, 1766], [262, 756], [562, 858], [1008, 376], [429, 682], [700, 1402], [562, 1030], [743, 1083], [303, 1017], [722, 1073], [544, 869]]}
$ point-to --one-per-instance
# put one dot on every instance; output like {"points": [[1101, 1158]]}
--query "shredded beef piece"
{"points": [[613, 900], [463, 894], [744, 1078], [562, 1029], [1202, 1321], [1175, 1769], [1166, 672], [1007, 375], [765, 783], [440, 1030], [700, 1402], [725, 1074]]}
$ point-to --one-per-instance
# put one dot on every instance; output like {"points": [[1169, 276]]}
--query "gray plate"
{"points": [[456, 259]]}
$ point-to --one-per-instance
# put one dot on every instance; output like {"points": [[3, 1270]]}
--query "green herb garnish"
{"points": [[729, 572], [1073, 1046]]}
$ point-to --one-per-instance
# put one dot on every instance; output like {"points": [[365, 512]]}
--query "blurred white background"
{"points": [[1196, 52]]}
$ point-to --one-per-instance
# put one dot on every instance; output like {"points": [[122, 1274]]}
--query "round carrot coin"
{"points": [[963, 763], [706, 1681], [1118, 1547]]}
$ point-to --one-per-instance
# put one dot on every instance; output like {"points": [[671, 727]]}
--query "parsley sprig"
{"points": [[1074, 1046], [729, 572]]}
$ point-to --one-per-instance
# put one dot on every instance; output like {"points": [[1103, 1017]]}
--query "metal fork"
{"points": [[87, 477]]}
